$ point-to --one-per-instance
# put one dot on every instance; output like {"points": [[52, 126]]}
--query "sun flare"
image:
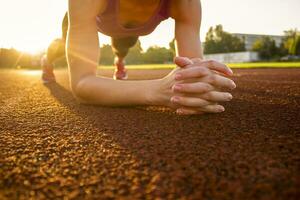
{"points": [[31, 72], [33, 45], [31, 49]]}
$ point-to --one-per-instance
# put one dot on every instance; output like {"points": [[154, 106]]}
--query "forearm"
{"points": [[187, 17], [188, 42], [83, 54], [108, 92]]}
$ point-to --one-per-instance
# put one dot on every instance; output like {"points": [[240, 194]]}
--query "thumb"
{"points": [[182, 61]]}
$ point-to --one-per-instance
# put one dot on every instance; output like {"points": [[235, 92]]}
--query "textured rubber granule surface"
{"points": [[53, 148]]}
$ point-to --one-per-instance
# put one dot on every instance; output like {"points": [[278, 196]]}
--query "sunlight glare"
{"points": [[30, 47], [31, 72]]}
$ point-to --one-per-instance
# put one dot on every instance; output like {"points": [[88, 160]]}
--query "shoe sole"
{"points": [[48, 81], [124, 78]]}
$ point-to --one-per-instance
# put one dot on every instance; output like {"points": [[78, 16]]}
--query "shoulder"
{"points": [[185, 10], [84, 9]]}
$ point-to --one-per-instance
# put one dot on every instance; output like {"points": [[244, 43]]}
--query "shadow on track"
{"points": [[240, 145], [167, 137]]}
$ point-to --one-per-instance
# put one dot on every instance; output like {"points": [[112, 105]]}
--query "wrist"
{"points": [[154, 93]]}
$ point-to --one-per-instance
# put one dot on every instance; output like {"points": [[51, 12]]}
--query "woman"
{"points": [[196, 86]]}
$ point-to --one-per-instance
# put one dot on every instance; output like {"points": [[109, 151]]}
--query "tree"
{"points": [[106, 55], [266, 48], [282, 50], [292, 41], [296, 46], [158, 55], [172, 46], [135, 55], [219, 41], [11, 58]]}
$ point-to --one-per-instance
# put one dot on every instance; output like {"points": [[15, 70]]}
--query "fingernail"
{"points": [[233, 85], [177, 87], [229, 97], [175, 99], [221, 109], [178, 76]]}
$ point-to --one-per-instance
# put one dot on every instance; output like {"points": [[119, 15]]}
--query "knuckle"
{"points": [[212, 79], [211, 62], [210, 95], [206, 71], [200, 70], [182, 101], [202, 102], [184, 87], [204, 87], [182, 74], [196, 60]]}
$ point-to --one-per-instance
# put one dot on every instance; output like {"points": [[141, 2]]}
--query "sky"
{"points": [[30, 25]]}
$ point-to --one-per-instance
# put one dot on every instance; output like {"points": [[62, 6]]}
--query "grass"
{"points": [[265, 65], [147, 66], [232, 65], [171, 66]]}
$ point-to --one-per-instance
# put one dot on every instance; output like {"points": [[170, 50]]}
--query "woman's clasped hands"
{"points": [[197, 86]]}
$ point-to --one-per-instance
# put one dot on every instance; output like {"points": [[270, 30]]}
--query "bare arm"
{"points": [[187, 15], [83, 54]]}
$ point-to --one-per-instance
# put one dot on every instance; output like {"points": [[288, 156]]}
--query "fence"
{"points": [[238, 57]]}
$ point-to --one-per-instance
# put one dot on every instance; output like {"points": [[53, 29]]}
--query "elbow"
{"points": [[80, 89]]}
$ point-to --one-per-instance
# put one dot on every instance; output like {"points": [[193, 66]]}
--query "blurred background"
{"points": [[232, 31]]}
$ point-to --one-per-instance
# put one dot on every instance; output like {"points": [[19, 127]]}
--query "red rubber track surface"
{"points": [[53, 148]]}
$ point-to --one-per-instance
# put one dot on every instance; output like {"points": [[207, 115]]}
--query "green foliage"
{"points": [[265, 65], [232, 65], [219, 41], [266, 47], [11, 58], [292, 42], [107, 55], [158, 55], [268, 50], [282, 51], [297, 46], [136, 55], [294, 45], [172, 46]]}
